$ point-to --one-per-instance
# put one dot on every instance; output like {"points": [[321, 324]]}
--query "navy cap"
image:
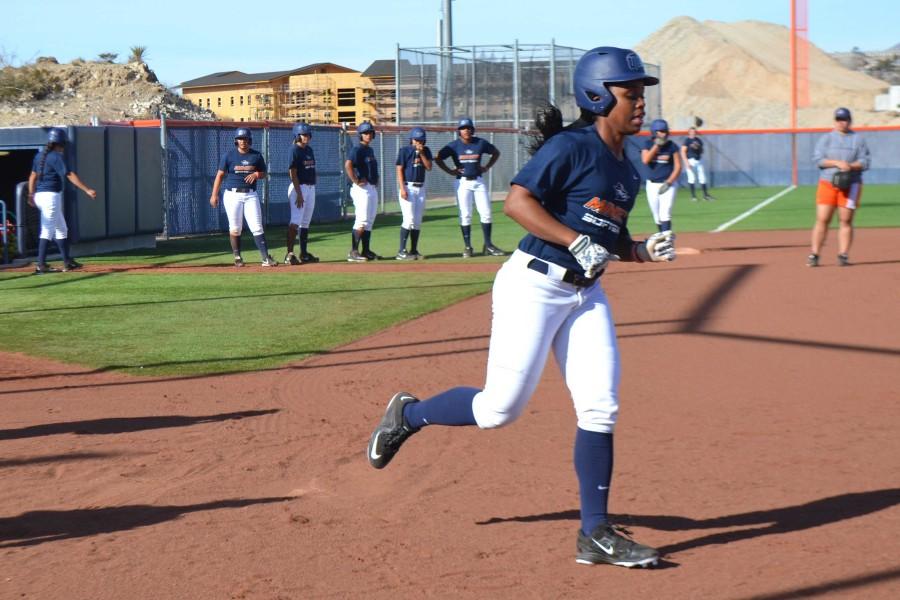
{"points": [[465, 123], [842, 114]]}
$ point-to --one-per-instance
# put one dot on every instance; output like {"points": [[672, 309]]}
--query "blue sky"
{"points": [[188, 39]]}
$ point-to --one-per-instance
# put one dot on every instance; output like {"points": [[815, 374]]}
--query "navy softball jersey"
{"points": [[468, 156], [304, 160], [54, 173], [413, 169], [236, 166], [595, 193], [694, 147], [364, 163], [661, 168]]}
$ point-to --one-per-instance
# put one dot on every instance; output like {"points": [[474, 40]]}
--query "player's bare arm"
{"points": [[423, 156], [676, 167], [296, 183], [217, 183], [348, 168], [401, 183]]}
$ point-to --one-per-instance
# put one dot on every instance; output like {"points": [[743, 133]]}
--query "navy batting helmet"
{"points": [[659, 125], [301, 129], [417, 133], [242, 133], [466, 123], [842, 114], [57, 136], [600, 67], [365, 127]]}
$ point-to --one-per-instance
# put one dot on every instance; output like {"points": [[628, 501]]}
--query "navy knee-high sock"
{"points": [[665, 226], [304, 240], [404, 234], [366, 239], [414, 234], [705, 193], [63, 249], [356, 235], [486, 230], [693, 191], [467, 234], [261, 244], [42, 251], [452, 407], [593, 465]]}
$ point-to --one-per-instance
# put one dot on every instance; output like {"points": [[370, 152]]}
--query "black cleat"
{"points": [[238, 261], [415, 254], [843, 260], [269, 262], [355, 256], [812, 260], [492, 250], [41, 268], [391, 432], [71, 265], [291, 259], [468, 252], [369, 255], [404, 255], [308, 258], [608, 545]]}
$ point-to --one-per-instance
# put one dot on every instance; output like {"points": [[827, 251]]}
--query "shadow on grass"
{"points": [[40, 526], [125, 424]]}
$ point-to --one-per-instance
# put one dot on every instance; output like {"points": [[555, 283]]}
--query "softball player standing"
{"points": [[466, 153], [841, 156], [692, 160], [45, 191], [573, 197], [362, 170], [661, 156], [412, 162], [241, 168], [301, 194]]}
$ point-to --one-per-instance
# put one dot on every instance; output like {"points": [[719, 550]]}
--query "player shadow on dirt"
{"points": [[768, 522], [39, 526], [54, 458], [125, 424]]}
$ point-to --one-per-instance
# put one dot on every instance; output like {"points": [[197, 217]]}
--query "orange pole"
{"points": [[793, 46]]}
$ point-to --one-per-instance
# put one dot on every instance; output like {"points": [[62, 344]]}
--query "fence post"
{"points": [[397, 87], [381, 171], [265, 154], [491, 175], [164, 162], [516, 84]]}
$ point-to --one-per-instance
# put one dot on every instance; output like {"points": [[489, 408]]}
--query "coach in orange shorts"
{"points": [[842, 156]]}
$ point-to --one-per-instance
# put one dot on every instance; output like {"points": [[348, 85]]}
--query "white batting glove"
{"points": [[664, 188], [592, 257], [661, 246]]}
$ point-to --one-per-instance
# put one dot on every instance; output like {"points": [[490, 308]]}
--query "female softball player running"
{"points": [[412, 162], [662, 158], [573, 197], [301, 194], [45, 191], [241, 168], [361, 167], [466, 153]]}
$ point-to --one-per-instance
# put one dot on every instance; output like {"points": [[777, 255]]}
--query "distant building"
{"points": [[889, 101], [321, 93], [383, 75]]}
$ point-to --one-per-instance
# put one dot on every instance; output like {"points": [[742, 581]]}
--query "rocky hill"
{"points": [[737, 75], [48, 93]]}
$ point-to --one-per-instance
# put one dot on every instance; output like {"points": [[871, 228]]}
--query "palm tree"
{"points": [[138, 54]]}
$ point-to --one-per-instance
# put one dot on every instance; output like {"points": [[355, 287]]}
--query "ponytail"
{"points": [[47, 150], [548, 122]]}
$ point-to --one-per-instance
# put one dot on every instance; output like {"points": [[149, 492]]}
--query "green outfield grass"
{"points": [[178, 323], [164, 324]]}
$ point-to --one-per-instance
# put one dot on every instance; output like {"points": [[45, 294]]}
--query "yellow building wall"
{"points": [[244, 102]]}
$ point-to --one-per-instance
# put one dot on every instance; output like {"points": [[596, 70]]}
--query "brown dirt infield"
{"points": [[757, 447]]}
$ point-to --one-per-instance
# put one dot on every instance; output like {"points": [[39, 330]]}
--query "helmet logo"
{"points": [[634, 62]]}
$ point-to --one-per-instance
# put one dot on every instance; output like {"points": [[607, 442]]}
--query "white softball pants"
{"points": [[533, 313], [240, 206], [695, 171], [468, 190], [365, 205], [302, 216], [661, 204], [413, 208], [53, 221]]}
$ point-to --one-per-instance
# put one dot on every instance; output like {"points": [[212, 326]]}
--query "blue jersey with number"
{"points": [[694, 147], [53, 173], [584, 186], [304, 161], [365, 166], [413, 169], [662, 166], [468, 156], [236, 166]]}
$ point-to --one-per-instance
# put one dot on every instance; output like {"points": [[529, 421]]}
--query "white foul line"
{"points": [[762, 204]]}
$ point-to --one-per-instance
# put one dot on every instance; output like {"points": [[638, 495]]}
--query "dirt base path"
{"points": [[757, 447]]}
